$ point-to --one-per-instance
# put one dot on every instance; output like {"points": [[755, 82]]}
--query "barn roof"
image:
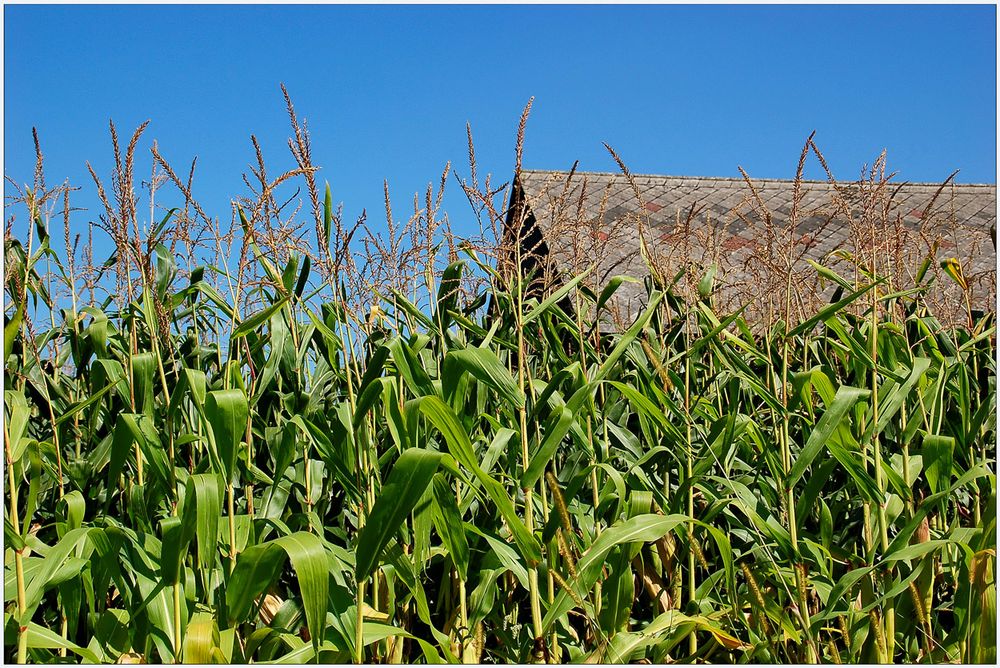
{"points": [[593, 218]]}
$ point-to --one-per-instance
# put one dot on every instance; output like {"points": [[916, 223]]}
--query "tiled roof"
{"points": [[590, 218]]}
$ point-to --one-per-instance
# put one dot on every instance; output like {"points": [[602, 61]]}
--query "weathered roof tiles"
{"points": [[592, 218]]}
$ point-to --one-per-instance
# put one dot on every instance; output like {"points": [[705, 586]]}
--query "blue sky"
{"points": [[684, 90]]}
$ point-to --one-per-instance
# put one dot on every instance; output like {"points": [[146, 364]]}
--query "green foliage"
{"points": [[451, 481]]}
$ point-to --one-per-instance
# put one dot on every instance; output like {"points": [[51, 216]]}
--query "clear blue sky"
{"points": [[685, 90]]}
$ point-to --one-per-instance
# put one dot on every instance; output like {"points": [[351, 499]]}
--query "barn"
{"points": [[755, 239]]}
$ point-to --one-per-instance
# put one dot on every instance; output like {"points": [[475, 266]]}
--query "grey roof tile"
{"points": [[962, 214]]}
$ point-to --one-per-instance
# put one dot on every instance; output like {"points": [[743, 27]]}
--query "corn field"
{"points": [[290, 439]]}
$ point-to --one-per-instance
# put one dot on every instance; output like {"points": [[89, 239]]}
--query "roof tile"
{"points": [[962, 213]]}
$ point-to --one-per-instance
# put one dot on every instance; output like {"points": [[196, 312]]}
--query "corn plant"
{"points": [[479, 474]]}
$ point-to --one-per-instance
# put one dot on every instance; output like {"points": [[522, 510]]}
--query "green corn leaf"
{"points": [[953, 267], [17, 423], [628, 337], [12, 539], [448, 522], [891, 405], [300, 285], [214, 297], [409, 478], [327, 213], [400, 301], [11, 329], [642, 404], [707, 282], [200, 639], [88, 402], [831, 420], [257, 319], [558, 427], [831, 275], [338, 457], [409, 368], [259, 565], [48, 573], [554, 298], [308, 557], [121, 446], [643, 529], [486, 367], [371, 393], [201, 514], [40, 637], [447, 295], [375, 367], [506, 555], [142, 432], [280, 341], [256, 568], [609, 290], [618, 594], [173, 549], [830, 310], [673, 626], [288, 274], [73, 507], [938, 454], [226, 411], [460, 447], [143, 369]]}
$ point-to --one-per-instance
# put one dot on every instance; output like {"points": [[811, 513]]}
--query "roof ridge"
{"points": [[754, 180]]}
